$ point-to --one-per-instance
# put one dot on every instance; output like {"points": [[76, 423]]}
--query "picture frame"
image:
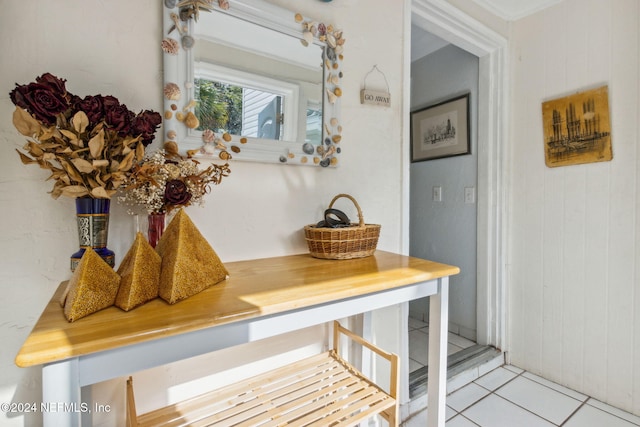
{"points": [[441, 130], [577, 128]]}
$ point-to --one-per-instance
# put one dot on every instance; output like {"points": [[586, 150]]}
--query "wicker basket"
{"points": [[357, 241]]}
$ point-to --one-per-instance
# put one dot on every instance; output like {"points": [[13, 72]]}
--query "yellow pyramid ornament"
{"points": [[189, 263], [139, 275], [93, 286]]}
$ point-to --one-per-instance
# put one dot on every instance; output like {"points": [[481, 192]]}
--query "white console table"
{"points": [[260, 299]]}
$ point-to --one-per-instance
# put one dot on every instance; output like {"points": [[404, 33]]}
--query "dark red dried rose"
{"points": [[45, 99], [92, 106], [108, 102], [145, 124], [56, 84], [118, 117], [176, 192]]}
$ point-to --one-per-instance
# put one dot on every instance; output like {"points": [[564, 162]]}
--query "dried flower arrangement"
{"points": [[165, 180], [89, 144]]}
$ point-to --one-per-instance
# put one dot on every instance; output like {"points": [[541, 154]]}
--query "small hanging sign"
{"points": [[375, 97]]}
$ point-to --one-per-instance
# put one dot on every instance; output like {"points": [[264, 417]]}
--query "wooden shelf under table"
{"points": [[319, 391]]}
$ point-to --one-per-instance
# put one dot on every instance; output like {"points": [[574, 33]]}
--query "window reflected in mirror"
{"points": [[251, 105], [242, 111], [224, 107]]}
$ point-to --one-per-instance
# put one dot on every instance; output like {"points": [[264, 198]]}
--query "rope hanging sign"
{"points": [[375, 97]]}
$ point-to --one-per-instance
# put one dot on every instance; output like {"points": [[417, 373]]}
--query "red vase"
{"points": [[155, 228]]}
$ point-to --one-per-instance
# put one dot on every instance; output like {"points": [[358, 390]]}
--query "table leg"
{"points": [[61, 394], [438, 331]]}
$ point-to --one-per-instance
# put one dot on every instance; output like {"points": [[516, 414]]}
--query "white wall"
{"points": [[446, 231], [259, 211], [574, 262]]}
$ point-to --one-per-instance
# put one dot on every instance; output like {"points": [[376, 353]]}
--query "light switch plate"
{"points": [[469, 195], [436, 194]]}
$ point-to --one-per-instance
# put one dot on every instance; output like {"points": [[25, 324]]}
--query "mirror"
{"points": [[251, 82]]}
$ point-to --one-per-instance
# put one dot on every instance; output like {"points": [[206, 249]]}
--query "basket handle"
{"points": [[360, 217]]}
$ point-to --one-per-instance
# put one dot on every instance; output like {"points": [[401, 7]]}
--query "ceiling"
{"points": [[511, 10], [424, 43]]}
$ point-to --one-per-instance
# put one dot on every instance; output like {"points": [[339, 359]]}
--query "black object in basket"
{"points": [[358, 240]]}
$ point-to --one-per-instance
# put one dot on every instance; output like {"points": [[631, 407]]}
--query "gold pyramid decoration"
{"points": [[93, 286], [139, 275], [189, 263]]}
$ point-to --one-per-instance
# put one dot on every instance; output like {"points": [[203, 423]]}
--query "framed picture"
{"points": [[441, 130], [577, 128]]}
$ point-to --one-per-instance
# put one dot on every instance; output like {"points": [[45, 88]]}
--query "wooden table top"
{"points": [[254, 288]]}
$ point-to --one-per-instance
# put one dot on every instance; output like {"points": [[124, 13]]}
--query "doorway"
{"points": [[443, 214], [455, 27]]}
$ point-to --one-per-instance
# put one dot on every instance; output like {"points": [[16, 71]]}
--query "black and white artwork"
{"points": [[440, 130]]}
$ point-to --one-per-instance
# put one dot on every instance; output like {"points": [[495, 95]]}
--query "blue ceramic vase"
{"points": [[92, 216]]}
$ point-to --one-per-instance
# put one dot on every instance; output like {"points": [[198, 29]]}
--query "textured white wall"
{"points": [[259, 211], [574, 264]]}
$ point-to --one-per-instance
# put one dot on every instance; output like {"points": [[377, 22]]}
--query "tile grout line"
{"points": [[574, 412], [551, 388], [513, 403], [582, 402], [605, 411], [471, 421], [490, 391], [521, 374]]}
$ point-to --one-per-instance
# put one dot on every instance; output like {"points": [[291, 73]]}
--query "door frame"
{"points": [[449, 23]]}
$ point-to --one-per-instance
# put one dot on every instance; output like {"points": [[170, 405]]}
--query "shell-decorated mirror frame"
{"points": [[179, 17]]}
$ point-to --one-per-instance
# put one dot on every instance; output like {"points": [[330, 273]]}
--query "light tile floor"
{"points": [[511, 397], [419, 343]]}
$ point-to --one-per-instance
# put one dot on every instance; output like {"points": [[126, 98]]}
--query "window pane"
{"points": [[224, 107]]}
